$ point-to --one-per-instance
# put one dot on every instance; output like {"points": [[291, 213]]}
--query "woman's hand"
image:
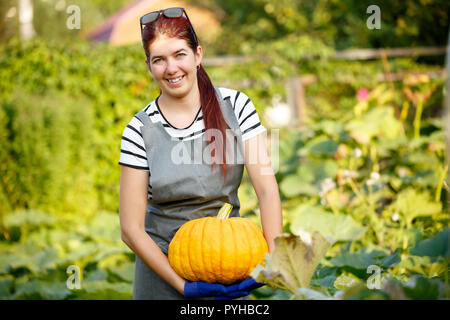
{"points": [[198, 289]]}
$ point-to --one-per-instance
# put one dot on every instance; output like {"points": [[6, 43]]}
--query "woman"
{"points": [[158, 192]]}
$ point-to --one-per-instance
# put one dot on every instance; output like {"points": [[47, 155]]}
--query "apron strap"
{"points": [[145, 119]]}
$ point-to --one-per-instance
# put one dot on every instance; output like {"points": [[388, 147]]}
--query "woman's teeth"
{"points": [[175, 80]]}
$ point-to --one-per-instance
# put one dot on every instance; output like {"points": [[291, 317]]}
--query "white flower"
{"points": [[357, 152], [395, 216], [279, 115], [374, 177], [327, 185], [349, 174]]}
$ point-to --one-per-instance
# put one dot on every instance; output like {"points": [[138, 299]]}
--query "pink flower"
{"points": [[362, 94]]}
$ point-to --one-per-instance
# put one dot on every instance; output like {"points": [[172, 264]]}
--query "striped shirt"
{"points": [[132, 149]]}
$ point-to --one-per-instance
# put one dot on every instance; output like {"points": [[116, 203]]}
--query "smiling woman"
{"points": [[159, 194]]}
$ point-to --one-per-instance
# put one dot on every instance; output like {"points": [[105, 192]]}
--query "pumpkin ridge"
{"points": [[234, 240], [196, 249], [174, 252], [221, 247], [260, 246], [249, 243], [212, 274], [202, 251], [188, 264], [179, 251]]}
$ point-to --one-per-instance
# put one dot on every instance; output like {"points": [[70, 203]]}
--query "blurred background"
{"points": [[352, 94]]}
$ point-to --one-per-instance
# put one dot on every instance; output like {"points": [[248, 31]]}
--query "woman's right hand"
{"points": [[199, 289]]}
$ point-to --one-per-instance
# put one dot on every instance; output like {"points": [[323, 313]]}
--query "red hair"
{"points": [[212, 114]]}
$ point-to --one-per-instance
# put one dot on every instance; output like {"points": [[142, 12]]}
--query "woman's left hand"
{"points": [[240, 289]]}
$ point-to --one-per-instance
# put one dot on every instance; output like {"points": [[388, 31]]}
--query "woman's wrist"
{"points": [[180, 286]]}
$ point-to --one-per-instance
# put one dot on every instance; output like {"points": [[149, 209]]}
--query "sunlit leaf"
{"points": [[292, 263], [338, 227], [413, 204]]}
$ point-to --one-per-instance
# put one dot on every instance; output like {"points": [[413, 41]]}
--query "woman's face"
{"points": [[173, 65]]}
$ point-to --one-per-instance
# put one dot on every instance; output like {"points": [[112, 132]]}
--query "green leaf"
{"points": [[339, 227], [124, 272], [320, 146], [378, 122], [28, 218], [420, 288], [437, 246], [293, 186], [292, 263], [311, 294], [413, 204], [6, 286], [102, 290], [314, 171], [344, 282], [37, 289], [358, 262]]}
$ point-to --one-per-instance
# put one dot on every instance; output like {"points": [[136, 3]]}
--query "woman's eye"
{"points": [[181, 54], [156, 60]]}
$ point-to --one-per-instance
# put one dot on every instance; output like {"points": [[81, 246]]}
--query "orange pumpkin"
{"points": [[217, 249]]}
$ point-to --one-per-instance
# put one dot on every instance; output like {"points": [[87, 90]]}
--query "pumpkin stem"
{"points": [[225, 211]]}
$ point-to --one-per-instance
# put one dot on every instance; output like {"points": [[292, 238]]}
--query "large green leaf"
{"points": [[29, 256], [319, 146], [28, 218], [102, 290], [6, 286], [412, 204], [292, 263], [124, 272], [377, 122], [338, 227], [358, 262], [38, 289], [420, 288], [292, 186], [437, 246], [314, 171]]}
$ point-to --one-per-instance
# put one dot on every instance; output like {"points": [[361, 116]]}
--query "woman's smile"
{"points": [[175, 81]]}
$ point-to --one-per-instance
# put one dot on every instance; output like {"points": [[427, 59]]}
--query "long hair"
{"points": [[212, 114]]}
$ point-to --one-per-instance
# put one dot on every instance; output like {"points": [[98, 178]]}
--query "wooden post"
{"points": [[296, 99]]}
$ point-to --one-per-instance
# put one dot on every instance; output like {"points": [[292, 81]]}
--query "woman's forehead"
{"points": [[163, 45]]}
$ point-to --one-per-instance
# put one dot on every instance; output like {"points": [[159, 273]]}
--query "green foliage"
{"points": [[63, 111], [368, 173], [35, 264]]}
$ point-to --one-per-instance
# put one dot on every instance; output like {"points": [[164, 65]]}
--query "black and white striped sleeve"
{"points": [[247, 116], [132, 147]]}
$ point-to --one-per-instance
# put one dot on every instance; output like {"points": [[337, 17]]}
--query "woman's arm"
{"points": [[132, 209], [259, 168]]}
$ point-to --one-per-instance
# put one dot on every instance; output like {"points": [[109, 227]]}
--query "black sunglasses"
{"points": [[168, 13]]}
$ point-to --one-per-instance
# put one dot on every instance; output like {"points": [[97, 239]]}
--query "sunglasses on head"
{"points": [[168, 13]]}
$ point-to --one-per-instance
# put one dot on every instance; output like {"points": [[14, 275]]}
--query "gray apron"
{"points": [[184, 187]]}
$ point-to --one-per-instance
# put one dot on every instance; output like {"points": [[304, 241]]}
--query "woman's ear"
{"points": [[148, 65], [199, 55]]}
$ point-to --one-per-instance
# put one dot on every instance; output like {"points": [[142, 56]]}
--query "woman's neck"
{"points": [[187, 103]]}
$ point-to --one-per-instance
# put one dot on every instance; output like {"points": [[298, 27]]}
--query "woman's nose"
{"points": [[171, 66]]}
